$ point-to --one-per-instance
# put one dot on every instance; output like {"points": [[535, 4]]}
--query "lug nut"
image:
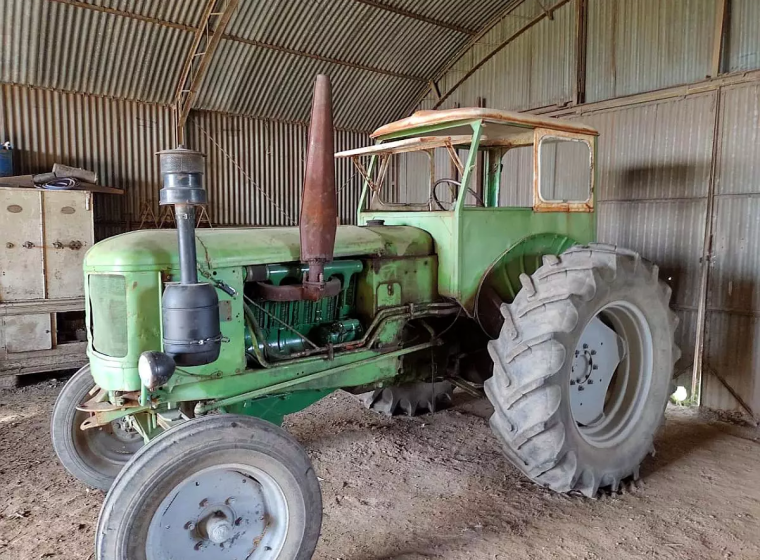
{"points": [[594, 367], [189, 525], [590, 381], [593, 352], [198, 545], [585, 346], [204, 502], [580, 387], [238, 521], [229, 501]]}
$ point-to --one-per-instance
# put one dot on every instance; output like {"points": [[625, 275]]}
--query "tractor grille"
{"points": [[108, 314]]}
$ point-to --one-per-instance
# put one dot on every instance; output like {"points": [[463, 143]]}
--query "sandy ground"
{"points": [[435, 486]]}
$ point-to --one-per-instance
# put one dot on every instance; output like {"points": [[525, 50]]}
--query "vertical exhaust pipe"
{"points": [[319, 205]]}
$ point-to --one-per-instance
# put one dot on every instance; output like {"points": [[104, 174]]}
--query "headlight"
{"points": [[155, 368]]}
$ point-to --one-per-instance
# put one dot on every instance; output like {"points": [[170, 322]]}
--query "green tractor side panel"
{"points": [[469, 243]]}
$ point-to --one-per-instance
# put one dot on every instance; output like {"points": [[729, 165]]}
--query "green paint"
{"points": [[410, 268], [274, 409], [145, 250], [385, 362], [469, 239]]}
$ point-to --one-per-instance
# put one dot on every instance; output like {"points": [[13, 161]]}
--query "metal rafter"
{"points": [[122, 13], [338, 61], [493, 22], [498, 48], [216, 16], [419, 17]]}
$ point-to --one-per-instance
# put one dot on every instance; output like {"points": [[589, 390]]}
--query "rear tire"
{"points": [[93, 456], [220, 486], [536, 359], [411, 399]]}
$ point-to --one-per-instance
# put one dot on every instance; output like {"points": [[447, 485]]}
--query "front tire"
{"points": [[223, 486], [93, 456], [552, 343]]}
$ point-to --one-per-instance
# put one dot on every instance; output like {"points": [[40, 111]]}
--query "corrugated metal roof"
{"points": [[184, 12], [380, 53], [473, 15], [64, 47], [276, 85]]}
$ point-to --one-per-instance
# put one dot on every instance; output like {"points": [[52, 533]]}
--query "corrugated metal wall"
{"points": [[117, 139], [643, 45], [537, 69], [653, 181], [255, 167], [655, 156], [733, 304]]}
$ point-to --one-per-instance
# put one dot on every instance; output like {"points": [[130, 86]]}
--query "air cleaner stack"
{"points": [[191, 329]]}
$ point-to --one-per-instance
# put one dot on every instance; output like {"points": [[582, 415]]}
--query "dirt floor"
{"points": [[434, 486]]}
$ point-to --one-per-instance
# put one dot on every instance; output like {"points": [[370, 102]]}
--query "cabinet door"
{"points": [[25, 333], [21, 251], [68, 235]]}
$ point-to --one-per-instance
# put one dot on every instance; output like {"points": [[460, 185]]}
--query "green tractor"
{"points": [[200, 342]]}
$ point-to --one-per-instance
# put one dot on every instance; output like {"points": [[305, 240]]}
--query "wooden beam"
{"points": [[673, 92], [721, 23], [581, 42], [434, 89], [536, 20], [216, 16]]}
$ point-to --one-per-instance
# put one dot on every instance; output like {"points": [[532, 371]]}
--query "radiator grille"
{"points": [[108, 314]]}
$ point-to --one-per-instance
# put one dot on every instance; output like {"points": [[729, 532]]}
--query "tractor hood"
{"points": [[220, 248]]}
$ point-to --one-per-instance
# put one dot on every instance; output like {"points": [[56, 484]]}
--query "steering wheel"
{"points": [[452, 183]]}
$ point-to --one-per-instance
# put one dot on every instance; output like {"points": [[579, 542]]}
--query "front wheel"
{"points": [[93, 456], [215, 487], [583, 368]]}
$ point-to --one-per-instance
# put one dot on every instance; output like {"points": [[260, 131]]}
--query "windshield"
{"points": [[415, 174]]}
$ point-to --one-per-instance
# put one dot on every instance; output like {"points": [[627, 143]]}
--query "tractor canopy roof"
{"points": [[426, 130], [498, 124]]}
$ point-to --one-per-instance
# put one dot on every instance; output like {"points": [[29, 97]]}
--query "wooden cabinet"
{"points": [[43, 238]]}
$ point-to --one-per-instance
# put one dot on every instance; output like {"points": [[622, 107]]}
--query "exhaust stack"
{"points": [[319, 206]]}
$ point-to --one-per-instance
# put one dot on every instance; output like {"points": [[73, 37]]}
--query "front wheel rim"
{"points": [[627, 382], [224, 511]]}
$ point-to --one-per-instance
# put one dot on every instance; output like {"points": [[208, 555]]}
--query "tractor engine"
{"points": [[284, 323]]}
